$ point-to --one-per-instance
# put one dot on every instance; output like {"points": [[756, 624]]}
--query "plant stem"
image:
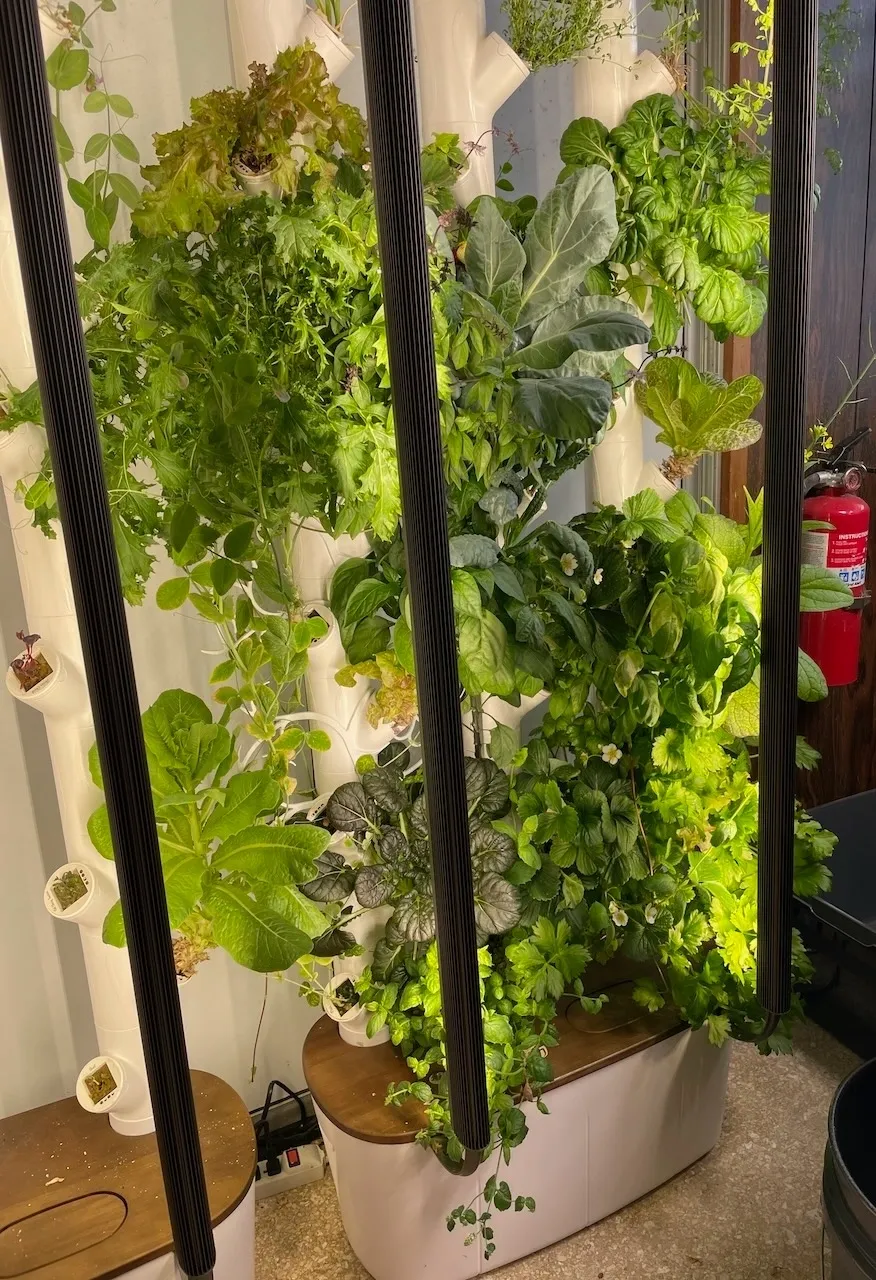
{"points": [[259, 1031]]}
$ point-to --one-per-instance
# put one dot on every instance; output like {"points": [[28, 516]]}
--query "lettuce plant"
{"points": [[697, 412], [288, 122], [233, 870]]}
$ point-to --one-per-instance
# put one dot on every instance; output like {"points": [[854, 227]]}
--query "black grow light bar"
{"points": [[50, 291], [387, 52], [793, 206]]}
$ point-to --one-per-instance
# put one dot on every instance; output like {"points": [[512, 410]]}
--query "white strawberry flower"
{"points": [[651, 912], [568, 564], [611, 753], [598, 576], [618, 915]]}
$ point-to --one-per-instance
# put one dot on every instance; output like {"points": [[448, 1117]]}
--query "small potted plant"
{"points": [[546, 33], [257, 140], [69, 887], [30, 667]]}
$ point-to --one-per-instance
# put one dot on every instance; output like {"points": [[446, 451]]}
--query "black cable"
{"points": [[62, 366], [793, 203], [387, 53]]}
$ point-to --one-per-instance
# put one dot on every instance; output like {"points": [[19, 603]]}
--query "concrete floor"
{"points": [[749, 1211]]}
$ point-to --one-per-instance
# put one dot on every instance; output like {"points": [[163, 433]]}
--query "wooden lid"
{"points": [[349, 1084], [80, 1202]]}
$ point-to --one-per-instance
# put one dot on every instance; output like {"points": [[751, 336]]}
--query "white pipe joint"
{"points": [[466, 75], [260, 29]]}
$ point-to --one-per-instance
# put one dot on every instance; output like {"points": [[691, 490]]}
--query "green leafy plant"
{"points": [[697, 413], [546, 33], [94, 182], [332, 11], [690, 234], [233, 870], [287, 124], [385, 812], [748, 103]]}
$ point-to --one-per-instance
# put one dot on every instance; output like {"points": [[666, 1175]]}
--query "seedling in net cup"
{"points": [[30, 668]]}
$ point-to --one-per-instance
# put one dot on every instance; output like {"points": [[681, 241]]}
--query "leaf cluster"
{"points": [[287, 123], [690, 233], [233, 869]]}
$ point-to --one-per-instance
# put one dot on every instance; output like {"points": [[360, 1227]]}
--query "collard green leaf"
{"points": [[494, 257], [500, 504], [573, 229], [568, 408], [253, 934], [334, 880]]}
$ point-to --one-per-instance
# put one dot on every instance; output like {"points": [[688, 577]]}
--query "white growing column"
{"points": [[63, 699], [260, 29], [466, 74], [606, 85]]}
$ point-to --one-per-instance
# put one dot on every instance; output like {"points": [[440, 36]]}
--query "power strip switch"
{"points": [[293, 1168]]}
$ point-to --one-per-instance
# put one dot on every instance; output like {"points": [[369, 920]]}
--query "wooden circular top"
{"points": [[80, 1202], [349, 1085]]}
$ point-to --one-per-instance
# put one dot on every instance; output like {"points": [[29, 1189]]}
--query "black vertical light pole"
{"points": [[792, 214], [62, 367], [387, 52]]}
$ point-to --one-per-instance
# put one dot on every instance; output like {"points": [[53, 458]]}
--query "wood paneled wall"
{"points": [[843, 727]]}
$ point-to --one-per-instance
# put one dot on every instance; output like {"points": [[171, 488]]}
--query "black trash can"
{"points": [[849, 1184]]}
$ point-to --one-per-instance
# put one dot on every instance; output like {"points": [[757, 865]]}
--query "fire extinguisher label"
{"points": [[845, 553], [815, 547], [848, 555]]}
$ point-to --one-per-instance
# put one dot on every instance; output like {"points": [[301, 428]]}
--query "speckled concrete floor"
{"points": [[749, 1211]]}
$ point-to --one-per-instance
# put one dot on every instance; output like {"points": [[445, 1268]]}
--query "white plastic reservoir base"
{"points": [[235, 1249], [612, 1136]]}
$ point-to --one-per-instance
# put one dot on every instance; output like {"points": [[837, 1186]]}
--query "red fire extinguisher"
{"points": [[832, 485]]}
